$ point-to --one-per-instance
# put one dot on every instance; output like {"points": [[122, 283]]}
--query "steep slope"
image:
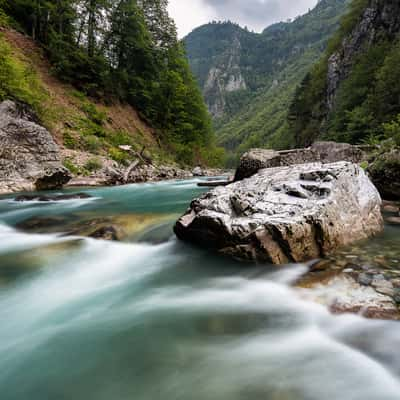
{"points": [[248, 79], [121, 52], [353, 93], [83, 128]]}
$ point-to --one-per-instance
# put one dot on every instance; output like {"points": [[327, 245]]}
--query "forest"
{"points": [[121, 51]]}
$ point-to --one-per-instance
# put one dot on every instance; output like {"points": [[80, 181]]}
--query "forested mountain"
{"points": [[353, 93], [249, 79], [121, 51]]}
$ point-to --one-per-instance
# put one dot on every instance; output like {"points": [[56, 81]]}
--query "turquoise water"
{"points": [[153, 318]]}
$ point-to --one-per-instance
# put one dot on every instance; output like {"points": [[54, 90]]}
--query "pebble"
{"points": [[396, 283], [385, 291], [396, 296], [379, 283], [393, 220], [364, 279], [389, 208], [366, 267]]}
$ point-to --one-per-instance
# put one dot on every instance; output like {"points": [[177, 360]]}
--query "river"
{"points": [[152, 318]]}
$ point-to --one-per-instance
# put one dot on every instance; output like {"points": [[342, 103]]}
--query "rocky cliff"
{"points": [[354, 89], [379, 19]]}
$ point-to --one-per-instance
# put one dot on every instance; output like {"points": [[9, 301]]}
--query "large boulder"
{"points": [[29, 156], [286, 214], [385, 174], [325, 152]]}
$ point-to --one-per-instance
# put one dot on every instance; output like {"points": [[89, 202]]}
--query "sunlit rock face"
{"points": [[30, 158], [286, 214]]}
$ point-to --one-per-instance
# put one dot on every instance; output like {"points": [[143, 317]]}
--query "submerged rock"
{"points": [[286, 214], [111, 227], [30, 158], [47, 198], [343, 295]]}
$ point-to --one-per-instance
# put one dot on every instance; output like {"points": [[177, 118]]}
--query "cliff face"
{"points": [[380, 19], [352, 93], [217, 56], [223, 78]]}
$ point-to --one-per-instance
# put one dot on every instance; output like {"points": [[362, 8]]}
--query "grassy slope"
{"points": [[84, 125]]}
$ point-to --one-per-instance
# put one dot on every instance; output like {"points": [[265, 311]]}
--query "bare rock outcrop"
{"points": [[325, 152], [29, 156], [286, 214]]}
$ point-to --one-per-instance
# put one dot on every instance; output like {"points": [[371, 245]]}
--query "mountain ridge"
{"points": [[279, 57]]}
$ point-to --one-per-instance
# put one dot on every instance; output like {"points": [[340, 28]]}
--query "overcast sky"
{"points": [[255, 14]]}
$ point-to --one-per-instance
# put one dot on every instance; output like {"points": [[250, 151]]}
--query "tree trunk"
{"points": [[92, 27]]}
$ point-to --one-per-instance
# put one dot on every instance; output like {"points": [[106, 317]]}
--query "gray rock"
{"points": [[286, 214], [325, 152], [197, 172], [29, 156], [364, 279], [47, 198]]}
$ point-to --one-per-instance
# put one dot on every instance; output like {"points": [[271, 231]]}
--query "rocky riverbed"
{"points": [[363, 278]]}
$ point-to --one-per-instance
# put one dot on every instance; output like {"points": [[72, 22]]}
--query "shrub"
{"points": [[93, 113], [70, 141], [74, 169], [93, 164], [91, 143], [119, 138], [119, 156], [392, 130]]}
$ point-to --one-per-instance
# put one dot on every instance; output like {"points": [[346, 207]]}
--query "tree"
{"points": [[161, 27]]}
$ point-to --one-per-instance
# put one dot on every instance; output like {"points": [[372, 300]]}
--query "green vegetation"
{"points": [[94, 164], [366, 104], [272, 64], [17, 80], [117, 51], [68, 163]]}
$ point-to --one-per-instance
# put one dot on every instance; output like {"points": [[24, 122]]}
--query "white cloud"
{"points": [[255, 14], [189, 14]]}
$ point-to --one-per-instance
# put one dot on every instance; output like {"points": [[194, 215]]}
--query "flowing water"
{"points": [[153, 318]]}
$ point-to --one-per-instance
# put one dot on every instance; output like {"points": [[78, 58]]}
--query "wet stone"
{"points": [[393, 220], [391, 209], [364, 279], [396, 295]]}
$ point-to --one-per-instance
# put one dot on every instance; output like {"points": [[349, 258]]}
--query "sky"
{"points": [[255, 14]]}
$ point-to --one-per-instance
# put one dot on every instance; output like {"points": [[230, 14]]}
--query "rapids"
{"points": [[152, 318]]}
